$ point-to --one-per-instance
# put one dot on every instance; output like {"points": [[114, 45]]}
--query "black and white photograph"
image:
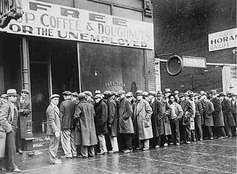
{"points": [[118, 86]]}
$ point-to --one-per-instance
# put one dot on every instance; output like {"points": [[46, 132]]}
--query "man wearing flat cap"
{"points": [[24, 112], [67, 108], [89, 97], [125, 125], [101, 120], [84, 117], [8, 122], [53, 128]]}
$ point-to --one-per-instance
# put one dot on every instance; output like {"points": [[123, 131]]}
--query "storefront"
{"points": [[55, 48]]}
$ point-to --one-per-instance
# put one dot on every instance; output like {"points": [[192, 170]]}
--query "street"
{"points": [[209, 156]]}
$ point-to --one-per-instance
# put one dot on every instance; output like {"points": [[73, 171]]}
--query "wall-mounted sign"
{"points": [[60, 22], [222, 40], [191, 61]]}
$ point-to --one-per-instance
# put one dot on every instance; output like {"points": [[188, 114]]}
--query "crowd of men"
{"points": [[110, 122]]}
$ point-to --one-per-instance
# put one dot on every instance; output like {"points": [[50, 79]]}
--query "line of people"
{"points": [[110, 122]]}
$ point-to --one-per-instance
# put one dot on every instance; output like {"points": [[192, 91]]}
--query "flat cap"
{"points": [[213, 92], [176, 92], [145, 94], [153, 93], [54, 96], [88, 93], [159, 93], [75, 94], [4, 96], [139, 92], [67, 93], [97, 92], [121, 92], [81, 95], [182, 95], [167, 90], [222, 94], [129, 94], [11, 92], [108, 93], [26, 91]]}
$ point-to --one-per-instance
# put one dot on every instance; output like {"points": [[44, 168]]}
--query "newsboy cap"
{"points": [[167, 90], [145, 94], [100, 96], [75, 94], [4, 96], [67, 93], [108, 93], [81, 95], [11, 92], [129, 94], [139, 92], [97, 92], [121, 92], [88, 93], [26, 91], [54, 96]]}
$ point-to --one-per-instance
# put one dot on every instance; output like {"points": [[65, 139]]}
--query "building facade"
{"points": [[182, 27], [45, 64]]}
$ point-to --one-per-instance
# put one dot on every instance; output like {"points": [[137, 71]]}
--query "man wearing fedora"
{"points": [[53, 128], [8, 121]]}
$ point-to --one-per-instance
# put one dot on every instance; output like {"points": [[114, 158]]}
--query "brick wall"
{"points": [[182, 27]]}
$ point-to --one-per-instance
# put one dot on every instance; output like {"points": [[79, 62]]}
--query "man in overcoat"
{"points": [[112, 120], [67, 109], [198, 118], [142, 112], [125, 126], [53, 128], [233, 101], [227, 114], [8, 122], [217, 115], [101, 119], [85, 114]]}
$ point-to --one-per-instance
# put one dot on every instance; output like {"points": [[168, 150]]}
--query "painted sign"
{"points": [[222, 40], [60, 22], [191, 61]]}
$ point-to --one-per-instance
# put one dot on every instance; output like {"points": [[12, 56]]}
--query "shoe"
{"points": [[127, 151], [157, 147], [201, 139], [111, 152], [177, 144], [20, 151], [221, 137], [165, 145], [101, 153], [57, 161], [145, 149], [211, 138], [188, 142], [65, 156], [16, 170]]}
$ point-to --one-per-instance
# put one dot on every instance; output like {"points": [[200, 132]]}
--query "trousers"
{"points": [[68, 144], [53, 148], [102, 143]]}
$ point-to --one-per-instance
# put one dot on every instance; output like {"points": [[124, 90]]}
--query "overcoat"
{"points": [[160, 120], [143, 113], [112, 118], [199, 113], [85, 113], [209, 109], [188, 111], [227, 113], [67, 109], [217, 114], [101, 118], [53, 120], [125, 117]]}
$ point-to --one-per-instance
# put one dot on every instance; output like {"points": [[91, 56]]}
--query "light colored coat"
{"points": [[142, 113], [53, 120]]}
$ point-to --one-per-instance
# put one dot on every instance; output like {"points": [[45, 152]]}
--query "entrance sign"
{"points": [[191, 61], [61, 22], [222, 40]]}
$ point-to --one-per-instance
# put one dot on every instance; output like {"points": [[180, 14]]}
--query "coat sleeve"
{"points": [[51, 121], [104, 116], [4, 112], [200, 108], [61, 111], [180, 111], [77, 112], [111, 107], [128, 110], [217, 105], [148, 110]]}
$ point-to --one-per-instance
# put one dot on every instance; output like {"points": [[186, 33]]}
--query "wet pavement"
{"points": [[210, 156]]}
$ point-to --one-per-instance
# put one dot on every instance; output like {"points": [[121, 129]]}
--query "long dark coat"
{"points": [[209, 109], [112, 117], [160, 120], [143, 113], [217, 114], [188, 111], [85, 113], [101, 118], [228, 116], [125, 117], [67, 109], [198, 112]]}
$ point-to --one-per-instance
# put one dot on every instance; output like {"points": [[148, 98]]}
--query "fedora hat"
{"points": [[11, 92]]}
